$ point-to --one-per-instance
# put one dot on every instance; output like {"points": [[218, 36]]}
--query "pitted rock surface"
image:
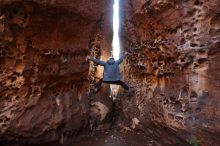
{"points": [[173, 65], [44, 76]]}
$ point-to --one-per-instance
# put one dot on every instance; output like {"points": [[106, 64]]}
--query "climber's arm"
{"points": [[122, 57], [97, 61]]}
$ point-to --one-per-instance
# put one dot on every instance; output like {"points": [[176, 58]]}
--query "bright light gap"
{"points": [[116, 42]]}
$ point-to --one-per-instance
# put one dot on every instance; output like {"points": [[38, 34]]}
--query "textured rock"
{"points": [[173, 65], [44, 78]]}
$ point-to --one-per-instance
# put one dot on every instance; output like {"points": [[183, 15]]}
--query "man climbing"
{"points": [[111, 73]]}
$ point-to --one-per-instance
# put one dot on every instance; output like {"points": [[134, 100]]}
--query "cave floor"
{"points": [[115, 138]]}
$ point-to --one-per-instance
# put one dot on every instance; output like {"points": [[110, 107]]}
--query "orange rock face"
{"points": [[174, 65], [44, 76]]}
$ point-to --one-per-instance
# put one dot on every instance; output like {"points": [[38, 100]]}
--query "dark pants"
{"points": [[118, 82]]}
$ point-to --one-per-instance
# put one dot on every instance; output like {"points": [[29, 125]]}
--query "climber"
{"points": [[111, 73]]}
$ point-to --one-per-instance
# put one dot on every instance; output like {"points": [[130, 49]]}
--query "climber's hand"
{"points": [[125, 53], [2, 16], [88, 58]]}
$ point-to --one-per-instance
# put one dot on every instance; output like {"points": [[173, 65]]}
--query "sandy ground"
{"points": [[115, 138]]}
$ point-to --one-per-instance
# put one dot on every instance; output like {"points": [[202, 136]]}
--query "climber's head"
{"points": [[111, 60]]}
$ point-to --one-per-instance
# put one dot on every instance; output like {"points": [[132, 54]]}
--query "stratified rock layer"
{"points": [[44, 76], [174, 65]]}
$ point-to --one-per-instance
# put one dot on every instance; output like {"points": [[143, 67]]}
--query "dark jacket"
{"points": [[111, 68]]}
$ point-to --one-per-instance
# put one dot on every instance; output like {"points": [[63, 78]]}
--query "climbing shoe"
{"points": [[95, 90], [131, 91]]}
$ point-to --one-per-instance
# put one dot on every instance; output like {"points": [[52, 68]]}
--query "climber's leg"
{"points": [[123, 84], [126, 87], [97, 85]]}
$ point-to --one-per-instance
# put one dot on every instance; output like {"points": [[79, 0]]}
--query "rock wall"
{"points": [[173, 65], [44, 76]]}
